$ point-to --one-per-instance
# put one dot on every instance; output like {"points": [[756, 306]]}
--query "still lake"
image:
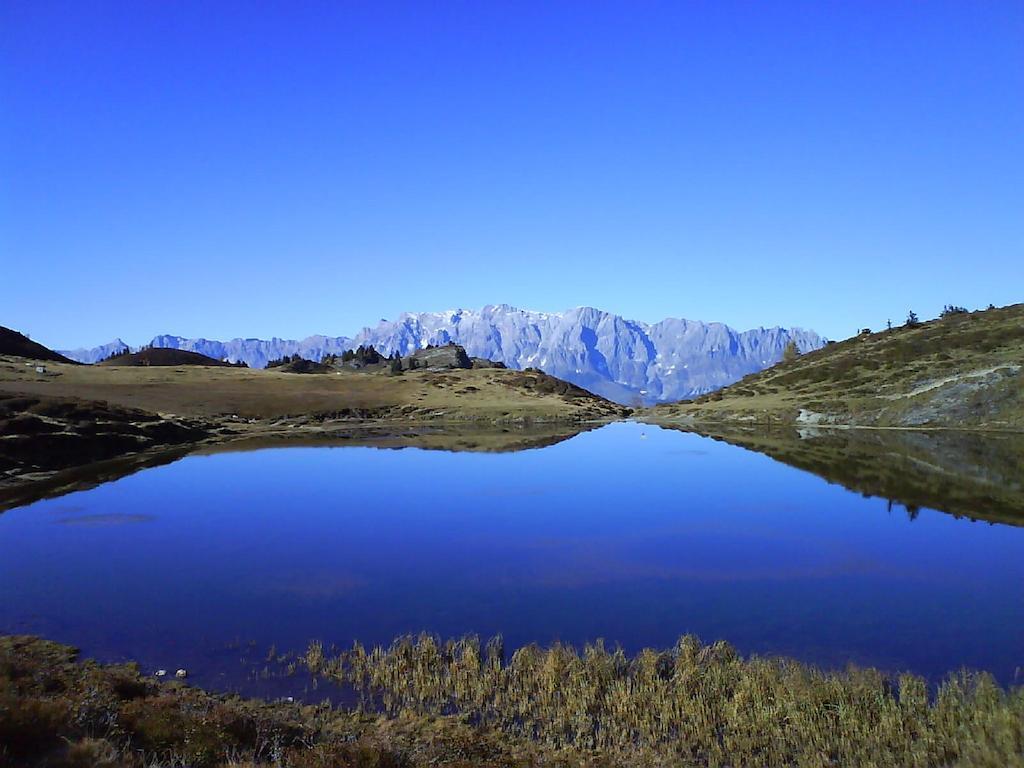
{"points": [[629, 533]]}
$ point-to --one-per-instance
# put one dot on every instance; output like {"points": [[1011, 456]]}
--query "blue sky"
{"points": [[255, 169]]}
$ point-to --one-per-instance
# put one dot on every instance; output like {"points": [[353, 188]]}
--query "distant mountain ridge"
{"points": [[623, 360], [96, 354]]}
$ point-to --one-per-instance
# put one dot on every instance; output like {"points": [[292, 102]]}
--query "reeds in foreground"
{"points": [[699, 704], [690, 707]]}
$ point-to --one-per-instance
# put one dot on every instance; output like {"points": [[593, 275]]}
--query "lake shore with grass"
{"points": [[462, 702]]}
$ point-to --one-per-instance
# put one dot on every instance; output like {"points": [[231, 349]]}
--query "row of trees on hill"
{"points": [[913, 320], [948, 310], [284, 360], [792, 352], [115, 355], [364, 355]]}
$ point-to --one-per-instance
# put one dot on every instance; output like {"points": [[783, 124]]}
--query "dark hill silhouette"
{"points": [[162, 356], [14, 343]]}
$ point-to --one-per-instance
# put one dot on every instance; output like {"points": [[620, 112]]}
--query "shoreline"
{"points": [[471, 433], [765, 423], [463, 702], [18, 489]]}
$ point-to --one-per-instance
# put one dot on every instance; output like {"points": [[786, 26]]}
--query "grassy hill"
{"points": [[162, 356], [965, 370], [17, 344], [225, 393]]}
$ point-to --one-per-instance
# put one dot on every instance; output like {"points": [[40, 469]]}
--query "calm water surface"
{"points": [[629, 533]]}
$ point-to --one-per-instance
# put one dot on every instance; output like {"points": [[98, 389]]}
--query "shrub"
{"points": [[92, 753], [952, 309], [30, 724]]}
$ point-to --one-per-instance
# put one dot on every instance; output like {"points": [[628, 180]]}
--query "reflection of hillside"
{"points": [[459, 438], [467, 438], [84, 477], [966, 474]]}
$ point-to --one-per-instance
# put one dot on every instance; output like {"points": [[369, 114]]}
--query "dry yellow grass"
{"points": [[692, 705], [214, 393]]}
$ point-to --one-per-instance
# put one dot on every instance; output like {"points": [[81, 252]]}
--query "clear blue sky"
{"points": [[255, 169]]}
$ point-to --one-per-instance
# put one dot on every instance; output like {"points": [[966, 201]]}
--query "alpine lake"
{"points": [[897, 550]]}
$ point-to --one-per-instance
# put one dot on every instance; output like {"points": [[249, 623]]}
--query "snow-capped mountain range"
{"points": [[621, 359]]}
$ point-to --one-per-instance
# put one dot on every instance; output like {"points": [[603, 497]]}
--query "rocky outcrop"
{"points": [[437, 359]]}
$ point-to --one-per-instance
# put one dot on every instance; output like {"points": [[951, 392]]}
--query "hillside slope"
{"points": [[239, 394], [961, 371], [17, 344]]}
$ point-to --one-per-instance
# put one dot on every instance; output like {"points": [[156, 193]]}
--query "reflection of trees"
{"points": [[912, 509], [967, 474]]}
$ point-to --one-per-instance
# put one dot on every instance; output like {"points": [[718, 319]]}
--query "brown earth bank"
{"points": [[961, 371], [461, 704], [41, 434]]}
